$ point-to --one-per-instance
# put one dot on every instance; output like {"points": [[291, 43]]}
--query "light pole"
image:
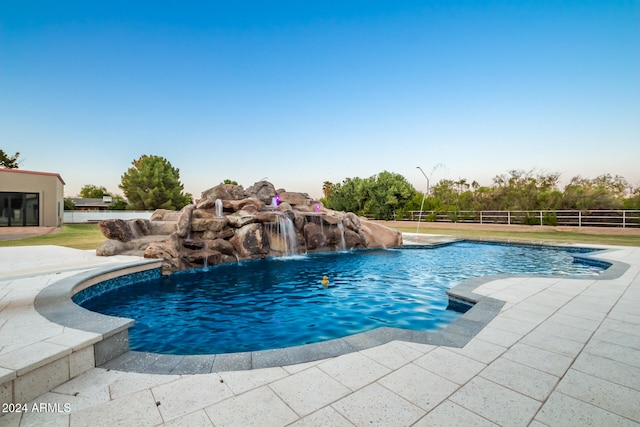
{"points": [[424, 195]]}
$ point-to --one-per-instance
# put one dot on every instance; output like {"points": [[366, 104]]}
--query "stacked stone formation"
{"points": [[250, 228]]}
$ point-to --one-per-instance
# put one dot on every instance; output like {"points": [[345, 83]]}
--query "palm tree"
{"points": [[462, 185], [326, 187]]}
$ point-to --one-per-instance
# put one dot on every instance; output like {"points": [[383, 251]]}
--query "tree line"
{"points": [[153, 183], [388, 195]]}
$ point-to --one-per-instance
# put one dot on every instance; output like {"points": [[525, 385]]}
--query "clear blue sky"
{"points": [[306, 92]]}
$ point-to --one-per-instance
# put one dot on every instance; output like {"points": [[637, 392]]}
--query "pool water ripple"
{"points": [[275, 303]]}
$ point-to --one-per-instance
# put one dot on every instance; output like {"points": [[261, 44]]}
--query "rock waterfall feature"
{"points": [[231, 224]]}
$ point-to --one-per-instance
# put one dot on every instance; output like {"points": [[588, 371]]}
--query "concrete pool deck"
{"points": [[562, 351]]}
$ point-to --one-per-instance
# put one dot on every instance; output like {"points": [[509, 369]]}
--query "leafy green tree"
{"points": [[575, 194], [522, 190], [603, 192], [90, 191], [348, 196], [69, 205], [228, 181], [483, 199], [7, 161], [633, 201], [446, 193], [153, 183], [387, 194], [379, 196], [612, 191], [118, 204], [416, 203]]}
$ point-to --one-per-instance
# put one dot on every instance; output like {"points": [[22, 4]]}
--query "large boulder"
{"points": [[351, 221], [168, 252], [184, 221], [111, 247], [203, 258], [223, 246], [314, 236], [209, 224], [352, 239], [241, 218], [116, 229], [140, 227], [312, 206], [331, 219], [250, 241], [249, 204], [224, 192], [285, 207], [225, 234], [164, 215], [162, 227], [294, 198], [269, 216], [378, 236], [263, 191]]}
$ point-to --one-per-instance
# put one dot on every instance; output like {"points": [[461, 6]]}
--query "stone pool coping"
{"points": [[54, 303]]}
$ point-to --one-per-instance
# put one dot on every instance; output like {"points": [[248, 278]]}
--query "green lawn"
{"points": [[88, 236], [538, 236], [78, 236]]}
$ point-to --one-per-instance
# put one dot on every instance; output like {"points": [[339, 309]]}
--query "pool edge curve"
{"points": [[112, 351]]}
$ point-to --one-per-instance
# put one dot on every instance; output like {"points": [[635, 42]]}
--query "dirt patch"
{"points": [[608, 231], [15, 233]]}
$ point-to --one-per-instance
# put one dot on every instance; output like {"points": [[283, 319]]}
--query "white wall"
{"points": [[95, 216]]}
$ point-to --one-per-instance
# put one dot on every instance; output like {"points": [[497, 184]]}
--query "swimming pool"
{"points": [[281, 302]]}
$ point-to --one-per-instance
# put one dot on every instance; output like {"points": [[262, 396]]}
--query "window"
{"points": [[19, 209]]}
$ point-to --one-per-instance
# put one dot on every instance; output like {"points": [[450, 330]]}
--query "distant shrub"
{"points": [[432, 217], [69, 205], [550, 218]]}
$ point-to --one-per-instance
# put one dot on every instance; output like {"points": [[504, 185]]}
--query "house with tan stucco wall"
{"points": [[29, 198]]}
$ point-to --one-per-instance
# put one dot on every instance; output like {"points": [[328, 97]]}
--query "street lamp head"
{"points": [[425, 175]]}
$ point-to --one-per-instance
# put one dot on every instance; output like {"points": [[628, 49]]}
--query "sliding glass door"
{"points": [[19, 209], [4, 209]]}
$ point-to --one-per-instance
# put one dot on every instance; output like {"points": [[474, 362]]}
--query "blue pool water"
{"points": [[281, 302]]}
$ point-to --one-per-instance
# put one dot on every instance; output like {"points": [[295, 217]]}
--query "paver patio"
{"points": [[562, 351]]}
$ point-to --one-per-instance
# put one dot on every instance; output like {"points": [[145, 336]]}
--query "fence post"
{"points": [[480, 217], [624, 222], [579, 218], [540, 217], [509, 217]]}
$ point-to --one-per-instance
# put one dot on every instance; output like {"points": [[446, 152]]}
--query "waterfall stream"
{"points": [[288, 232], [343, 243]]}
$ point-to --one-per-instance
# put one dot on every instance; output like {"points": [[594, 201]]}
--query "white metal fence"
{"points": [[594, 218], [76, 217]]}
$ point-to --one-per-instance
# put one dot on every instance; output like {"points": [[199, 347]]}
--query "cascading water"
{"points": [[343, 243], [288, 233], [218, 208], [321, 224]]}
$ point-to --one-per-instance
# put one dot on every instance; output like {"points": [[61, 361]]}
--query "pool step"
{"points": [[87, 340]]}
